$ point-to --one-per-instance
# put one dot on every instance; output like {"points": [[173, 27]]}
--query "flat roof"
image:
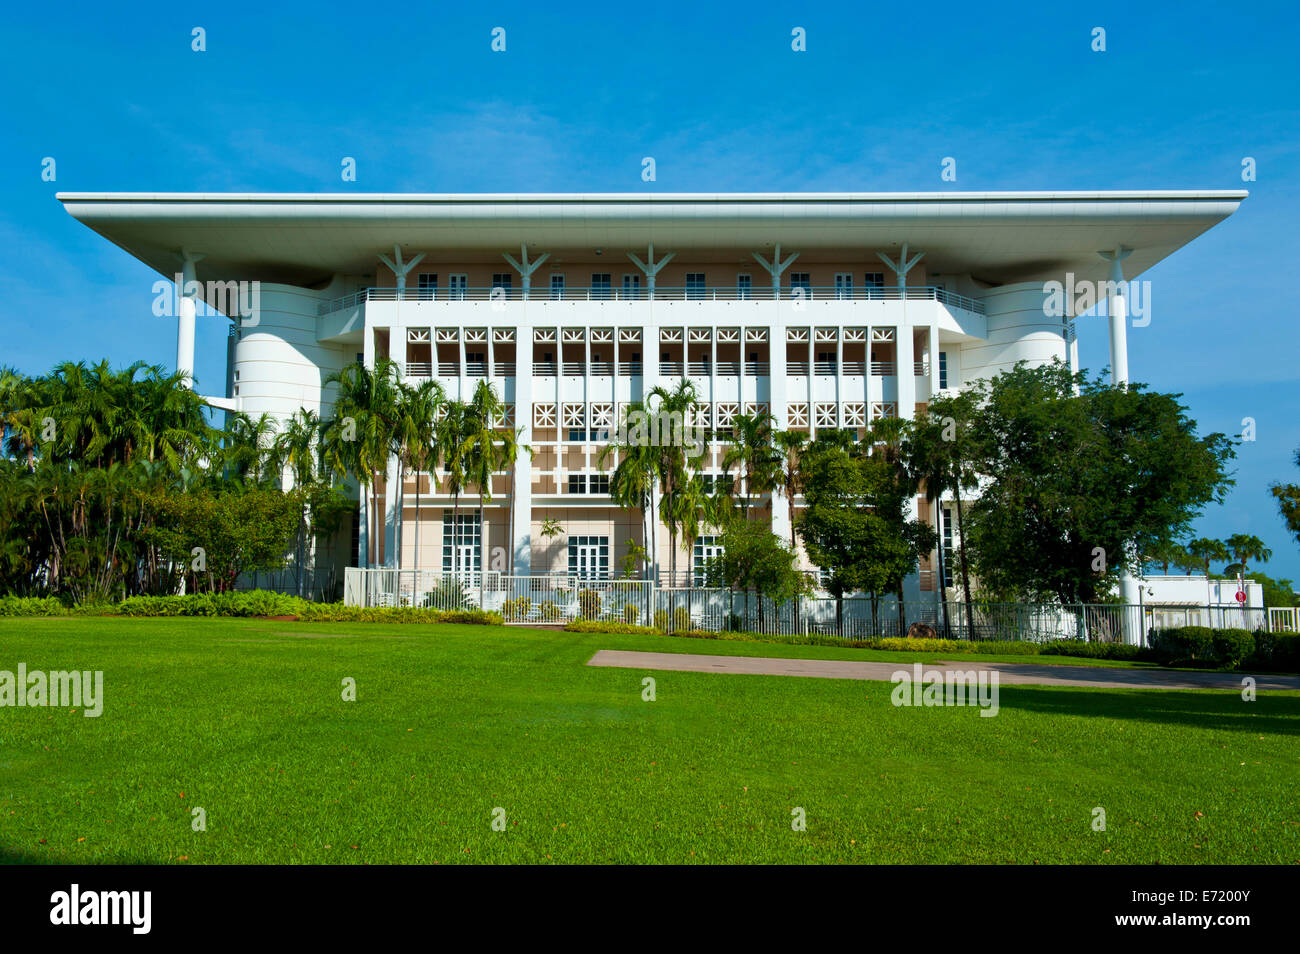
{"points": [[306, 238]]}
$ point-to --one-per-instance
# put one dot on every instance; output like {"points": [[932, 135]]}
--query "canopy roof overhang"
{"points": [[306, 239]]}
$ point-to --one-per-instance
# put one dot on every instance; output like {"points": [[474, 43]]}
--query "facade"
{"points": [[827, 310]]}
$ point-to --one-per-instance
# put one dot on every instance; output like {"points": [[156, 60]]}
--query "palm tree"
{"points": [[449, 452], [632, 482], [417, 420], [790, 444], [1244, 548], [487, 450], [295, 449], [675, 411], [359, 439], [247, 447], [1206, 551], [751, 449]]}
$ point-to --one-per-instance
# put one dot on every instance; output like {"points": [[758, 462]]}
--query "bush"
{"points": [[551, 612], [1087, 650], [661, 620], [517, 610], [589, 604], [681, 618], [632, 613], [1184, 646], [31, 606], [1232, 647], [262, 603], [610, 626]]}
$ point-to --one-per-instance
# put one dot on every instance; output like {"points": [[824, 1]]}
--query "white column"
{"points": [[521, 531], [934, 359], [188, 305], [1118, 310], [776, 345], [651, 268]]}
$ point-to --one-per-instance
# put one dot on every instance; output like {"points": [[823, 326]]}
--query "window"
{"points": [[589, 558], [577, 482], [801, 280], [843, 285], [463, 541], [632, 286], [428, 286], [503, 281], [946, 514], [694, 284], [598, 483], [943, 369], [600, 285], [825, 362], [744, 287], [873, 282], [476, 362], [457, 286], [706, 549], [557, 287]]}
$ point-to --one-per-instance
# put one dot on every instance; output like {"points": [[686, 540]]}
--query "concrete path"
{"points": [[1011, 674]]}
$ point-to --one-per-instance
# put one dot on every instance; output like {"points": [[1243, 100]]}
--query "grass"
{"points": [[245, 719]]}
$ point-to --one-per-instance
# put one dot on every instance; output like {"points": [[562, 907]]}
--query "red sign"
{"points": [[1241, 596]]}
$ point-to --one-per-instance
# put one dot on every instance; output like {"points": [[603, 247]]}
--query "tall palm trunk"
{"points": [[943, 592], [965, 573], [418, 482]]}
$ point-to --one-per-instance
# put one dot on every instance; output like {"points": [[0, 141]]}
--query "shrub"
{"points": [[31, 606], [661, 620], [609, 626], [448, 594], [681, 618], [589, 604], [1286, 652], [517, 609], [551, 612], [632, 613], [1232, 647], [1184, 646], [1089, 650]]}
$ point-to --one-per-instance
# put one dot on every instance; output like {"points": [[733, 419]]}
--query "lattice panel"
{"points": [[417, 335], [855, 414], [543, 415], [796, 335], [544, 335], [881, 409], [798, 415], [574, 415], [824, 414], [629, 335], [883, 335], [670, 335]]}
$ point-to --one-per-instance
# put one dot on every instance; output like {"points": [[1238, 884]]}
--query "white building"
{"points": [[826, 309]]}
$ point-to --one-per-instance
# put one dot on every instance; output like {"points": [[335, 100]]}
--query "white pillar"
{"points": [[776, 345], [1118, 309], [522, 489], [188, 306]]}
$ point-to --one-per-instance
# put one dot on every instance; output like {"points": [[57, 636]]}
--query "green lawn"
{"points": [[245, 719]]}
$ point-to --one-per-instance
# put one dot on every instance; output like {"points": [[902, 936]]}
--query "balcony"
{"points": [[662, 293]]}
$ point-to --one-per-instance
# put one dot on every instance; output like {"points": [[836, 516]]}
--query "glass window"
{"points": [[598, 484], [457, 286], [463, 541], [706, 548], [589, 557], [843, 285], [503, 281], [428, 284], [577, 483], [600, 285], [694, 284], [557, 287], [632, 286], [801, 280], [943, 369], [744, 287]]}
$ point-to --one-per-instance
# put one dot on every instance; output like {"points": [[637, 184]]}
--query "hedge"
{"points": [[247, 604], [1201, 647]]}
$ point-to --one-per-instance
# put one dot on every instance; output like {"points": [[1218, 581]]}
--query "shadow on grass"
{"points": [[1193, 708], [16, 856]]}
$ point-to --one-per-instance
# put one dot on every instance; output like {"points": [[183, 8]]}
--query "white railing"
{"points": [[662, 293]]}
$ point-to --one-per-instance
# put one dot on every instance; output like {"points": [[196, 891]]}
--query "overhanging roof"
{"points": [[305, 238]]}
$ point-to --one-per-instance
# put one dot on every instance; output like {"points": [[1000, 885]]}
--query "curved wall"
{"points": [[1018, 330]]}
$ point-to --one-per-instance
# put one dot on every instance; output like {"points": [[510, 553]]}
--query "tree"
{"points": [[1076, 486], [486, 449], [450, 448], [790, 445], [1245, 548], [1288, 502], [855, 523], [754, 559], [669, 422], [417, 413], [751, 449], [360, 438], [633, 480], [1203, 551], [295, 450]]}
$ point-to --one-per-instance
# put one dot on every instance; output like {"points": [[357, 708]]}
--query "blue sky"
{"points": [[1014, 92]]}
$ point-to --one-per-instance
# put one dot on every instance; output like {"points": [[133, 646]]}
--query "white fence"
{"points": [[560, 599]]}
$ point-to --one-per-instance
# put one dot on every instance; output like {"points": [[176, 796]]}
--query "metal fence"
{"points": [[556, 599]]}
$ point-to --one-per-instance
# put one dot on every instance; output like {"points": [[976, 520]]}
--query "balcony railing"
{"points": [[700, 369], [662, 293]]}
